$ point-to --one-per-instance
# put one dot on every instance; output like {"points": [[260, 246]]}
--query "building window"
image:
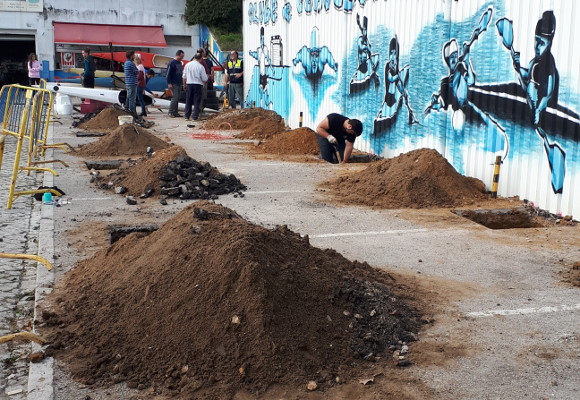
{"points": [[178, 40]]}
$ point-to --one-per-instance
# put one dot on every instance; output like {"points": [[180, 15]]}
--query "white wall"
{"points": [[422, 29]]}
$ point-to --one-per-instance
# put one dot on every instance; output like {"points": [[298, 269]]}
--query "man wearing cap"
{"points": [[540, 80], [336, 134]]}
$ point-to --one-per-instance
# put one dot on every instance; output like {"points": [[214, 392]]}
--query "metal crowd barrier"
{"points": [[25, 114]]}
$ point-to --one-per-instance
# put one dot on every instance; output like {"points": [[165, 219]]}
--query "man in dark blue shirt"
{"points": [[89, 72], [174, 82]]}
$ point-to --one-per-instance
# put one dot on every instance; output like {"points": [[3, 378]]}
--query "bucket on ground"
{"points": [[125, 119], [62, 104]]}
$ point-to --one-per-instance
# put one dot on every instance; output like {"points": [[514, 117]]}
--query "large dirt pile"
{"points": [[104, 121], [417, 179], [297, 141], [125, 140], [211, 303], [256, 123]]}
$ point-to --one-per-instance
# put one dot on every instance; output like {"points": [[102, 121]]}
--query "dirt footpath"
{"points": [[503, 313]]}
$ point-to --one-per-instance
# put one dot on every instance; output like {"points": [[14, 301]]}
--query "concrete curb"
{"points": [[40, 375]]}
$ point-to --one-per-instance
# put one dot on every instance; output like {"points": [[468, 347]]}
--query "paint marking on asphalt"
{"points": [[274, 191], [369, 233], [524, 311], [90, 198]]}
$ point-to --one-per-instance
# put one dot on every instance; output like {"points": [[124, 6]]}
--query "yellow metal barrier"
{"points": [[33, 337], [25, 113], [33, 257]]}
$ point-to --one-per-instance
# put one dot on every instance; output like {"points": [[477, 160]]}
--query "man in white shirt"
{"points": [[194, 77]]}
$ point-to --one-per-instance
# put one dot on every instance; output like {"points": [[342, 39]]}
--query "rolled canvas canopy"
{"points": [[102, 35]]}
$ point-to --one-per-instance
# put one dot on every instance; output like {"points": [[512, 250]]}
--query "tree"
{"points": [[226, 15]]}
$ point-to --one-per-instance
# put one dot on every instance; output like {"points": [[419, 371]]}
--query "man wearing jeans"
{"points": [[131, 73], [336, 136], [194, 77], [174, 79]]}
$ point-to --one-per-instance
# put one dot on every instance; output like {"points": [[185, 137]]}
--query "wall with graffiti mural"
{"points": [[473, 79]]}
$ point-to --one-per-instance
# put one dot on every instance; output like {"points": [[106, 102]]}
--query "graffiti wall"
{"points": [[472, 79]]}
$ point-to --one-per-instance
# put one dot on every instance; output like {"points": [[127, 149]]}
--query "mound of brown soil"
{"points": [[125, 140], [297, 141], [256, 123], [104, 121], [417, 179], [144, 173], [211, 303]]}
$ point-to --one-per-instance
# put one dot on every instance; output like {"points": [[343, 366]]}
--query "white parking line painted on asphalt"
{"points": [[274, 191], [524, 311], [369, 233], [91, 198]]}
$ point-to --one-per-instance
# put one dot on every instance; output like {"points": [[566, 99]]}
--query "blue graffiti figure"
{"points": [[326, 4], [454, 89], [307, 6], [540, 81], [368, 63], [287, 11], [396, 81], [314, 58], [262, 54]]}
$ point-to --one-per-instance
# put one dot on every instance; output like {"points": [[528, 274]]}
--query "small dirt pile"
{"points": [[417, 179], [125, 140], [256, 123], [105, 121], [298, 141], [211, 303], [172, 173]]}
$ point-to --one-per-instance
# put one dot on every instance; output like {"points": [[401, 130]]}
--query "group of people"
{"points": [[136, 78], [195, 78]]}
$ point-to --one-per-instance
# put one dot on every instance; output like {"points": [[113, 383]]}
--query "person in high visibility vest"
{"points": [[235, 76]]}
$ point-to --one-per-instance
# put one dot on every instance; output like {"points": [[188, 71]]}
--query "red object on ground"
{"points": [[88, 106]]}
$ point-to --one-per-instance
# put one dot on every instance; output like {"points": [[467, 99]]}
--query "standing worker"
{"points": [[235, 76], [336, 134], [89, 71], [203, 62], [174, 80], [194, 77], [131, 73]]}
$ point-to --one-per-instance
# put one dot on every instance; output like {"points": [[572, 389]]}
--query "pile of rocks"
{"points": [[187, 178]]}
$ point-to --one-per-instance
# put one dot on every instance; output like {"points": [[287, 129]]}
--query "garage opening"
{"points": [[14, 50]]}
